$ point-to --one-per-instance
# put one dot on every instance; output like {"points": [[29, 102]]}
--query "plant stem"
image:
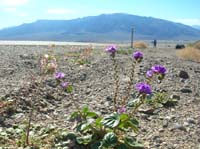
{"points": [[29, 125], [116, 78], [141, 102], [128, 90], [75, 104]]}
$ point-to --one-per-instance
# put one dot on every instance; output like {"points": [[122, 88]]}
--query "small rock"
{"points": [[179, 126], [183, 74], [175, 97], [191, 121], [165, 123], [107, 104], [186, 90], [83, 77], [108, 98]]}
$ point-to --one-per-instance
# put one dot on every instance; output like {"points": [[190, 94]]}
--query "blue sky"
{"points": [[15, 12]]}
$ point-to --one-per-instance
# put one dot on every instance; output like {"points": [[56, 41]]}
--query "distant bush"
{"points": [[180, 46], [190, 53], [140, 45], [195, 45], [125, 51]]}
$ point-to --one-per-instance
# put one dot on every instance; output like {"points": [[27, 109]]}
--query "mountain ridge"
{"points": [[101, 28]]}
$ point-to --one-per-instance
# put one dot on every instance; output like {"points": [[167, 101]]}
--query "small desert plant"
{"points": [[84, 56], [112, 130], [139, 45], [160, 99], [189, 53]]}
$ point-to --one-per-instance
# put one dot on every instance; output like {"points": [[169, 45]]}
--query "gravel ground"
{"points": [[176, 127]]}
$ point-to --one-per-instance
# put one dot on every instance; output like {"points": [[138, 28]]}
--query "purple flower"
{"points": [[159, 69], [143, 88], [59, 75], [121, 110], [149, 74], [111, 49], [138, 56], [64, 85]]}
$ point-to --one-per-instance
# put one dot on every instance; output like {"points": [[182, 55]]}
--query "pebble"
{"points": [[165, 123], [183, 74], [175, 97], [178, 126], [186, 90], [191, 121]]}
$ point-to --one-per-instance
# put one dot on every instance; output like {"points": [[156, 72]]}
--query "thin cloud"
{"points": [[60, 11], [14, 2], [189, 21], [10, 9], [22, 14]]}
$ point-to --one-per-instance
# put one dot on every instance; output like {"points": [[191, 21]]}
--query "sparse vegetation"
{"points": [[195, 45], [189, 53], [107, 109]]}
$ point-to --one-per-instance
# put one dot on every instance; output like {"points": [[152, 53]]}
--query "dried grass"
{"points": [[195, 45], [140, 45], [189, 53]]}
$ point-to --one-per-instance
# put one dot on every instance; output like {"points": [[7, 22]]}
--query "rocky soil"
{"points": [[174, 127]]}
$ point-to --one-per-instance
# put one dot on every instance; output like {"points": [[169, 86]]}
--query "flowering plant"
{"points": [[112, 130]]}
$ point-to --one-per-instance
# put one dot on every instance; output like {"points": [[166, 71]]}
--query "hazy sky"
{"points": [[15, 12]]}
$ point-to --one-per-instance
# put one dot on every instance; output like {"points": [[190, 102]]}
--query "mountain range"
{"points": [[101, 28]]}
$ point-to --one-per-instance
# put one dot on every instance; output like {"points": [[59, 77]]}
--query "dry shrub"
{"points": [[190, 53], [86, 53], [140, 45], [195, 45]]}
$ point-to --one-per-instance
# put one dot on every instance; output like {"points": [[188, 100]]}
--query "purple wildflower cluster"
{"points": [[59, 75], [121, 110], [138, 56], [143, 88], [112, 50], [64, 85], [158, 70]]}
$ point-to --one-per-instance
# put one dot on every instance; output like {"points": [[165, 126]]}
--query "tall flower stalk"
{"points": [[137, 57], [130, 82], [112, 50]]}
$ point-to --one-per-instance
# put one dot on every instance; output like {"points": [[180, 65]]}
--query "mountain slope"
{"points": [[196, 26], [106, 27]]}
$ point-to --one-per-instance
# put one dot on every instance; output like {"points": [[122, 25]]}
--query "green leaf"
{"points": [[111, 121], [132, 126], [91, 114], [132, 143], [96, 145], [98, 122], [71, 135], [74, 115], [122, 146], [134, 121], [109, 140], [82, 126], [69, 89], [85, 110], [124, 117], [133, 102], [84, 139]]}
